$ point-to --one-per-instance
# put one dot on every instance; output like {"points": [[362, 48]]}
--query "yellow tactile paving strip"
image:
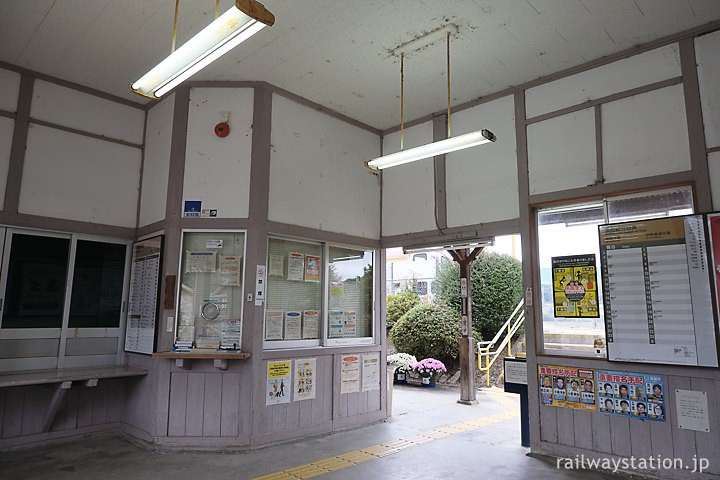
{"points": [[363, 455]]}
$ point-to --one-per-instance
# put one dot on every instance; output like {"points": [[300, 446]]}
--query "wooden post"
{"points": [[465, 258]]}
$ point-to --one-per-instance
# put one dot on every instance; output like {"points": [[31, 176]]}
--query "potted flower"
{"points": [[403, 363], [429, 369]]}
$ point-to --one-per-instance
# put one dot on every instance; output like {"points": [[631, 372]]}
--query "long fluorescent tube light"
{"points": [[432, 149], [242, 21]]}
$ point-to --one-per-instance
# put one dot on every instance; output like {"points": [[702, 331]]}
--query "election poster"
{"points": [[575, 292], [567, 387], [634, 395]]}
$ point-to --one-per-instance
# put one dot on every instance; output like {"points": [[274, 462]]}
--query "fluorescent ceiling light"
{"points": [[432, 149], [242, 21]]}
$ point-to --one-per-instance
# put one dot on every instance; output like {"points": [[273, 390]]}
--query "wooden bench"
{"points": [[63, 379]]}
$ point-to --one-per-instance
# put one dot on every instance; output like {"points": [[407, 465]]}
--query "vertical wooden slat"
{"points": [[293, 415], [363, 402], [548, 424], [601, 433], [100, 403], [158, 394], [683, 441], [661, 434], [565, 426], [640, 447], [230, 404], [12, 423], [70, 411], [85, 405], [244, 410], [116, 400], [36, 401], [279, 417], [178, 404], [707, 443], [342, 410], [213, 404], [2, 410], [620, 435], [306, 413], [195, 400], [582, 426], [353, 403]]}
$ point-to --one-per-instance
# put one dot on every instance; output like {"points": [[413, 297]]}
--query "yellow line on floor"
{"points": [[363, 455]]}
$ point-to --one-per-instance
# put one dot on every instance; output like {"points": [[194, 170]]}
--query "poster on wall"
{"points": [[575, 293], [634, 395], [312, 268], [199, 262], [656, 290], [370, 372], [350, 374], [276, 265], [143, 299], [278, 383], [567, 387], [304, 382]]}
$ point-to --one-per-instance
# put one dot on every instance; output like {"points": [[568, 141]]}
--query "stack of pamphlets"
{"points": [[182, 346]]}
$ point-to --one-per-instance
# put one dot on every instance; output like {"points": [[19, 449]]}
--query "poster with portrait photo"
{"points": [[635, 395], [567, 387]]}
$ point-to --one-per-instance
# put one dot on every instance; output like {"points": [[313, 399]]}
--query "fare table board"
{"points": [[140, 332], [656, 291]]}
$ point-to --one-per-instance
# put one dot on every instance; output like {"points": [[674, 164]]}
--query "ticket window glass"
{"points": [[350, 296], [578, 328], [211, 289], [294, 296]]}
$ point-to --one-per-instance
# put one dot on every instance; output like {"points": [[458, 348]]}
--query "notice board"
{"points": [[141, 327], [656, 292]]}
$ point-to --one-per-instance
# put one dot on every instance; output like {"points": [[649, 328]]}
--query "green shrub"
{"points": [[496, 285], [429, 330], [398, 305]]}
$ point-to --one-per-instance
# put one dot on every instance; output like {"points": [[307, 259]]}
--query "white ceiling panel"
{"points": [[336, 53]]}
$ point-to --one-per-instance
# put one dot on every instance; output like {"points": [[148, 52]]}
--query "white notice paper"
{"points": [[276, 265], [516, 372], [350, 374], [292, 325], [370, 372], [310, 324], [692, 410], [296, 267], [274, 325], [230, 267], [200, 262]]}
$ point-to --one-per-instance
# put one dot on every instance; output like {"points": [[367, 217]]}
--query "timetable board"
{"points": [[656, 292], [140, 332]]}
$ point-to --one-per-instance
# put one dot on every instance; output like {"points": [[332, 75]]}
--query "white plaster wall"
{"points": [[75, 109], [636, 71], [645, 135], [217, 170], [561, 152], [708, 61], [714, 171], [79, 178], [156, 163], [408, 193], [482, 181], [6, 133], [317, 175], [9, 89]]}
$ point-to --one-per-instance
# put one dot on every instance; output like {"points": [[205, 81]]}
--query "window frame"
{"points": [[178, 283], [324, 341], [64, 332], [570, 205]]}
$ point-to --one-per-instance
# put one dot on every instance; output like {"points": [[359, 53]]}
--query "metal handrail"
{"points": [[484, 347]]}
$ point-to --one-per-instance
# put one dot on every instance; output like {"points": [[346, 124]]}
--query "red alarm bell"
{"points": [[222, 129]]}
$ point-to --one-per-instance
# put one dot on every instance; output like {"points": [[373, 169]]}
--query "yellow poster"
{"points": [[278, 382], [575, 293]]}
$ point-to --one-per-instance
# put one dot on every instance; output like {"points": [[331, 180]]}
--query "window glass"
{"points": [[572, 231], [35, 291], [293, 303], [211, 278], [97, 286], [350, 289]]}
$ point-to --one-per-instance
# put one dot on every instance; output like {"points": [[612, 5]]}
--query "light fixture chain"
{"points": [[177, 5], [402, 96], [448, 83]]}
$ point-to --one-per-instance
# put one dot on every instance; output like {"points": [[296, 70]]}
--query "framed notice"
{"points": [[141, 325], [656, 292], [575, 293]]}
